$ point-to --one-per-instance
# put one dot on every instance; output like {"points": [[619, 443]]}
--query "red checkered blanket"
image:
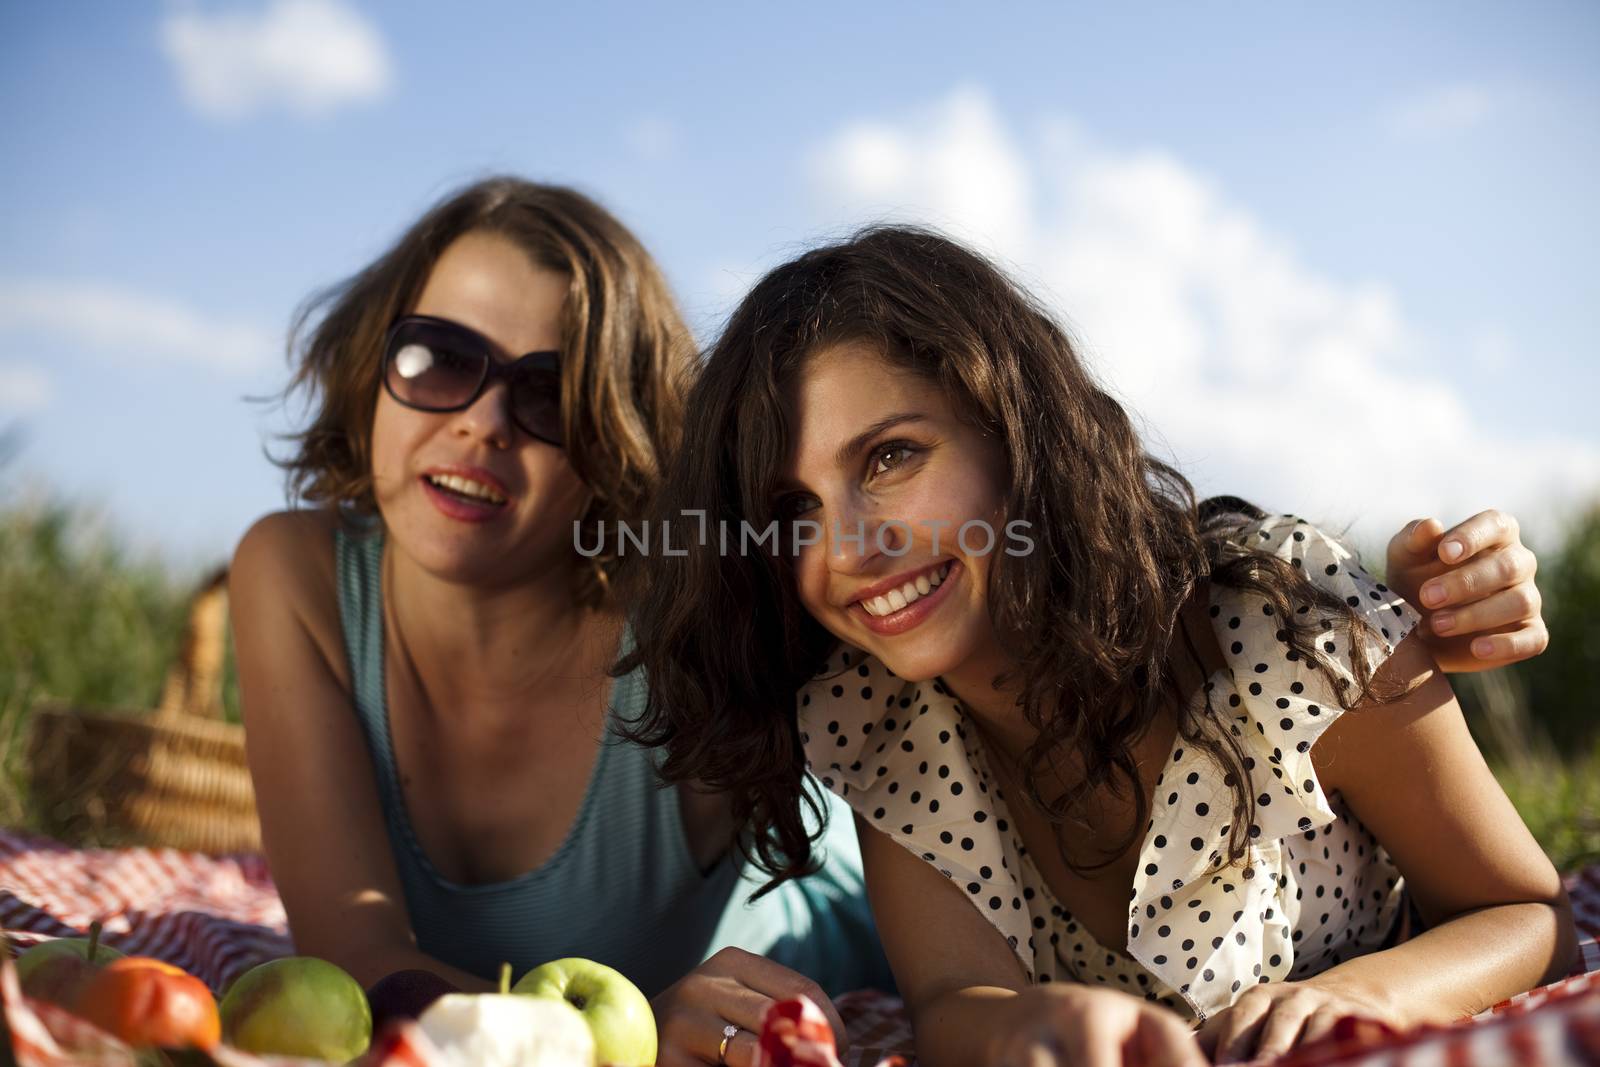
{"points": [[217, 917]]}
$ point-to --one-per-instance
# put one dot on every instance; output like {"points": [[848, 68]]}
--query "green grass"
{"points": [[1560, 802], [82, 622]]}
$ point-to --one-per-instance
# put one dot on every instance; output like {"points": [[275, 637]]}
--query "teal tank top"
{"points": [[622, 888]]}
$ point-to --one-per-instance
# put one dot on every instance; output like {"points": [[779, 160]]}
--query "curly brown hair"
{"points": [[1121, 543], [626, 355]]}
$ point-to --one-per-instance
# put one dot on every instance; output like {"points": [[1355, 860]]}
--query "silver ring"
{"points": [[727, 1036]]}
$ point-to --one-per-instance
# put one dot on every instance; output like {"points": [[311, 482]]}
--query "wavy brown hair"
{"points": [[626, 355], [1121, 544]]}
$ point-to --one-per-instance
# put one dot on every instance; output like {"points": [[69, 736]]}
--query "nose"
{"points": [[488, 418], [857, 539]]}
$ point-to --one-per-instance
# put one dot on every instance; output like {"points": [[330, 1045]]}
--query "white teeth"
{"points": [[897, 599], [466, 488]]}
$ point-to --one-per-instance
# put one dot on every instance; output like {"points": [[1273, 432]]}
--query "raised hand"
{"points": [[1474, 585]]}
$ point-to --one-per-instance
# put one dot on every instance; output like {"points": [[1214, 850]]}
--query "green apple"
{"points": [[58, 970], [297, 1006], [505, 1030], [618, 1014]]}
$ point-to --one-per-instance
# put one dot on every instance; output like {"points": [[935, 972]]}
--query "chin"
{"points": [[450, 558], [454, 568], [920, 655], [916, 665]]}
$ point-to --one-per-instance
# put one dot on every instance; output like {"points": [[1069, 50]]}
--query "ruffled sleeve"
{"points": [[1208, 929], [902, 755], [1289, 699]]}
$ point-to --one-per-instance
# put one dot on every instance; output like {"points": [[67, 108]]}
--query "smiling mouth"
{"points": [[465, 488], [909, 593]]}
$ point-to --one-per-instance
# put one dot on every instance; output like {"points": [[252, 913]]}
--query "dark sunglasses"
{"points": [[437, 365]]}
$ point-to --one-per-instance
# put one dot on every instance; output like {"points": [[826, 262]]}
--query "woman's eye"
{"points": [[795, 505], [889, 457]]}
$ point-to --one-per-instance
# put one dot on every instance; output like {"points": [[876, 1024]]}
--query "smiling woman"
{"points": [[1154, 771], [940, 475]]}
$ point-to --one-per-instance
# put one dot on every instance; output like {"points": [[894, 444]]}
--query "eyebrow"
{"points": [[848, 451]]}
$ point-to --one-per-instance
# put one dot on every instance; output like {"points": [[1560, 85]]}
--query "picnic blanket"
{"points": [[217, 917]]}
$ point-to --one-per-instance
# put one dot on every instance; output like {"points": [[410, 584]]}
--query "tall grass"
{"points": [[81, 622], [1560, 802]]}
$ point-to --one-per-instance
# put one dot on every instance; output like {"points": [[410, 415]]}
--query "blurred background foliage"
{"points": [[86, 622]]}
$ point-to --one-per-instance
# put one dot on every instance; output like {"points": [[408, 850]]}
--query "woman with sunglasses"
{"points": [[423, 654], [1122, 763]]}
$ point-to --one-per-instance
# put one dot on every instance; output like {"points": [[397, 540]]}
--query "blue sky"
{"points": [[1340, 258]]}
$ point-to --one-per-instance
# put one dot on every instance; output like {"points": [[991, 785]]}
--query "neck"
{"points": [[482, 647], [996, 709]]}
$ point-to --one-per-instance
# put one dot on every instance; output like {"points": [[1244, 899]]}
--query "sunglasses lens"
{"points": [[536, 403], [431, 375], [435, 365]]}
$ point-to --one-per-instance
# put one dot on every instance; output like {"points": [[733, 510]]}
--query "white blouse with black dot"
{"points": [[1315, 888]]}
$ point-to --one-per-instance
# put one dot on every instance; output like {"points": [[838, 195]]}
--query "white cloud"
{"points": [[1261, 375], [967, 177], [23, 389], [1442, 110], [307, 56], [127, 325]]}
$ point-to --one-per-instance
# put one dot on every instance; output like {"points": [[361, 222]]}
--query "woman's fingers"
{"points": [[1486, 574], [731, 1001], [1321, 1023], [1095, 1028], [696, 1041], [1498, 649], [1512, 607], [777, 982], [1100, 1043], [1030, 1052], [1413, 558], [774, 981], [743, 1048], [1416, 543], [1240, 1026], [1487, 529], [1162, 1039], [695, 1035], [692, 1014], [1281, 1029], [699, 1036]]}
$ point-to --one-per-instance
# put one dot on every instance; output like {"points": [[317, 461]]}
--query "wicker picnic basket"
{"points": [[174, 777]]}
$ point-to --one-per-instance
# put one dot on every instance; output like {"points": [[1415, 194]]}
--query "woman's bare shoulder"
{"points": [[294, 546], [283, 574]]}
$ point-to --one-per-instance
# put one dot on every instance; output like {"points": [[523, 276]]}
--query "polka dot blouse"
{"points": [[1315, 887]]}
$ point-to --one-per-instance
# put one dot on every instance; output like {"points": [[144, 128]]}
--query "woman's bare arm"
{"points": [[1499, 921], [321, 824], [969, 998], [956, 973]]}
